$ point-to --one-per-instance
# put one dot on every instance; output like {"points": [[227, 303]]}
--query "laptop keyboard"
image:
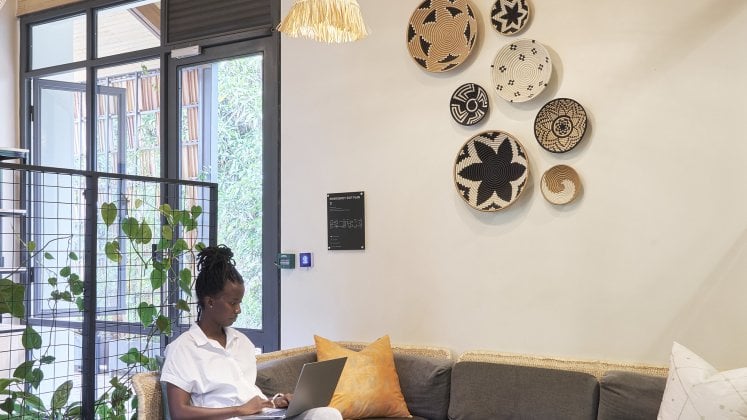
{"points": [[272, 411]]}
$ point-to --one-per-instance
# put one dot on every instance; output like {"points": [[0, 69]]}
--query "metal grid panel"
{"points": [[101, 282]]}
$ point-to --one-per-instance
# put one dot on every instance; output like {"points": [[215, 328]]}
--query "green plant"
{"points": [[21, 400], [27, 376]]}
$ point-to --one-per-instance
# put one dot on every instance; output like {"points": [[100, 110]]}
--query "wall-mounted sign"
{"points": [[345, 221]]}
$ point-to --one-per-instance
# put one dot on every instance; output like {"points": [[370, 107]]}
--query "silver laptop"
{"points": [[315, 387]]}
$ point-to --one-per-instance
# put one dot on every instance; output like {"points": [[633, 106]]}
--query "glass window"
{"points": [[221, 131], [130, 27], [59, 42], [59, 137], [128, 106]]}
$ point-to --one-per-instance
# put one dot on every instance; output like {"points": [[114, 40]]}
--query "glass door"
{"points": [[228, 135]]}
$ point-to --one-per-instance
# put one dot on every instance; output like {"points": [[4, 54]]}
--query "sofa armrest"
{"points": [[425, 351], [147, 387], [596, 368]]}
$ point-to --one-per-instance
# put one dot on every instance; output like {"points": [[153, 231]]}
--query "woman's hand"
{"points": [[281, 400], [254, 406]]}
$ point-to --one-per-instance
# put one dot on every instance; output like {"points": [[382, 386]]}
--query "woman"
{"points": [[211, 369]]}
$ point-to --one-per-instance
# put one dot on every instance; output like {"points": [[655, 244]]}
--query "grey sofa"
{"points": [[489, 385]]}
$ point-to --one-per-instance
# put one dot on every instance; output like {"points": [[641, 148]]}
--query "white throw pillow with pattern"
{"points": [[696, 390]]}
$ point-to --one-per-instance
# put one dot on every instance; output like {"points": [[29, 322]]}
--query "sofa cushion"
{"points": [[281, 375], [426, 384], [369, 384], [482, 390], [629, 396]]}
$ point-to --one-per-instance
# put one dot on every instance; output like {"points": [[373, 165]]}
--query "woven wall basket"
{"points": [[509, 17], [560, 184], [469, 104], [491, 171], [442, 33], [521, 70], [560, 125]]}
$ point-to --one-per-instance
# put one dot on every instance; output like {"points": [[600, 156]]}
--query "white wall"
{"points": [[654, 251], [8, 75]]}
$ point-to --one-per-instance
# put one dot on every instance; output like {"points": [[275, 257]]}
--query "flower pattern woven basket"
{"points": [[509, 17], [560, 125], [491, 171]]}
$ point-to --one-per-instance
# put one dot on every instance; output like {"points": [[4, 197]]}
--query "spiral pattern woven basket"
{"points": [[560, 184], [442, 33], [521, 70]]}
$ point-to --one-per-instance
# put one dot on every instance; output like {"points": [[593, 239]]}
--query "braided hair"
{"points": [[216, 266]]}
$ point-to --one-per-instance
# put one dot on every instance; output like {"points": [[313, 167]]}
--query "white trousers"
{"points": [[321, 413]]}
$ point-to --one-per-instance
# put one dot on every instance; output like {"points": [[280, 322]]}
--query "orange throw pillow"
{"points": [[369, 385]]}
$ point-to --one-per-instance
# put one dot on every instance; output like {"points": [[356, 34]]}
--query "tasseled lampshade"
{"points": [[324, 20]]}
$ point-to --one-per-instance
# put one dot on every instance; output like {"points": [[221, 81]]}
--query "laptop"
{"points": [[315, 387]]}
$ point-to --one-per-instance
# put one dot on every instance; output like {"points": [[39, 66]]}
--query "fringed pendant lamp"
{"points": [[324, 20]]}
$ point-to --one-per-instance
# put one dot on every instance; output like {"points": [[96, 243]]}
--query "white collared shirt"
{"points": [[214, 376]]}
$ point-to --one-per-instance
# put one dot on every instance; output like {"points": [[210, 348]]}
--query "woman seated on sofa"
{"points": [[211, 369]]}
